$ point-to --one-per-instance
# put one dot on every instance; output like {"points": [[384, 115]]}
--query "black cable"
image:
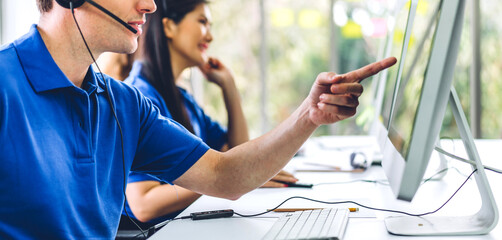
{"points": [[361, 205], [441, 171], [345, 202], [154, 228], [114, 115], [339, 202]]}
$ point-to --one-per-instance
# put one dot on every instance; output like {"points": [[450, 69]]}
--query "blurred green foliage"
{"points": [[298, 48]]}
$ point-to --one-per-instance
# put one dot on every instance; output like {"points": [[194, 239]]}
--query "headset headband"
{"points": [[66, 3]]}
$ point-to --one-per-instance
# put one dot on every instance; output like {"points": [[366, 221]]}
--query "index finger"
{"points": [[284, 173], [366, 71]]}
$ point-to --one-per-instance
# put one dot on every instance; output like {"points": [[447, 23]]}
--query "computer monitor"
{"points": [[402, 97], [397, 38], [423, 87]]}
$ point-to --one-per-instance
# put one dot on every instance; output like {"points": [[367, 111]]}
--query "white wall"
{"points": [[17, 17], [1, 21]]}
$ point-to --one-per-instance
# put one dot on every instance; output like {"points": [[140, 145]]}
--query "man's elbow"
{"points": [[234, 197], [142, 214], [231, 195]]}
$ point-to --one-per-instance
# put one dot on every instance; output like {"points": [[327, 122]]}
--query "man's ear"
{"points": [[170, 27]]}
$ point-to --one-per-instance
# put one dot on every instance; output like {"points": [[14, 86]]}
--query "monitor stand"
{"points": [[480, 223]]}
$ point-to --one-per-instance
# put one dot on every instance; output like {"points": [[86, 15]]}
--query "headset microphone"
{"points": [[72, 4], [78, 3]]}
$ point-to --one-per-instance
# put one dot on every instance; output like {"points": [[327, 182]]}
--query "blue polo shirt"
{"points": [[211, 132], [60, 147]]}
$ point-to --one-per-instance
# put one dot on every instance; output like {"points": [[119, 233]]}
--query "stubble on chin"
{"points": [[125, 47]]}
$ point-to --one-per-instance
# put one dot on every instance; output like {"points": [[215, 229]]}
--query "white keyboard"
{"points": [[326, 223]]}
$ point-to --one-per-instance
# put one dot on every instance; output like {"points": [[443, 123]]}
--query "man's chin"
{"points": [[131, 48]]}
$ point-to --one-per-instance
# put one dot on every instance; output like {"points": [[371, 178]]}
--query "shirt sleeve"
{"points": [[140, 177], [166, 149], [150, 92], [216, 134]]}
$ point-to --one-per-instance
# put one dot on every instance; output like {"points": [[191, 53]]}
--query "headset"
{"points": [[78, 3], [358, 160], [72, 4]]}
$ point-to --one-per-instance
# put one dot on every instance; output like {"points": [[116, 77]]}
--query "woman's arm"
{"points": [[149, 199], [219, 74]]}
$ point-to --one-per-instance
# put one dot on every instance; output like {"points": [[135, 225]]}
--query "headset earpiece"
{"points": [[358, 160], [66, 3]]}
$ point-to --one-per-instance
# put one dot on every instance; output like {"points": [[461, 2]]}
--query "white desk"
{"points": [[429, 197]]}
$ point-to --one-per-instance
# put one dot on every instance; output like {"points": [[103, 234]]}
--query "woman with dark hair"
{"points": [[176, 37]]}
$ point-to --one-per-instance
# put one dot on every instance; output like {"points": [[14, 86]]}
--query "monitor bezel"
{"points": [[405, 175], [378, 129]]}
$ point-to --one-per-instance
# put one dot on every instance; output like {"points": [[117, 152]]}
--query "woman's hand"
{"points": [[216, 72], [282, 176]]}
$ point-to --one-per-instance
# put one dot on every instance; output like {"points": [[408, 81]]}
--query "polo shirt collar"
{"points": [[93, 82], [41, 69]]}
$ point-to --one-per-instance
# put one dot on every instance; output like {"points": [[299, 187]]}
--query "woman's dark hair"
{"points": [[154, 50]]}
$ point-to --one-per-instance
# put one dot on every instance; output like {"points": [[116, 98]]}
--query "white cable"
{"points": [[442, 151]]}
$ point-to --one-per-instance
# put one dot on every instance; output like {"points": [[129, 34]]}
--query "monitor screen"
{"points": [[398, 24], [409, 83], [398, 35]]}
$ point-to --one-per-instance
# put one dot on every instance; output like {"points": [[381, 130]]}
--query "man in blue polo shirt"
{"points": [[63, 158]]}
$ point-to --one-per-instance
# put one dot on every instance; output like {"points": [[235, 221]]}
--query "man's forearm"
{"points": [[251, 164]]}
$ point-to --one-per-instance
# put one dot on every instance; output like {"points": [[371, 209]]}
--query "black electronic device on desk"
{"points": [[297, 185]]}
